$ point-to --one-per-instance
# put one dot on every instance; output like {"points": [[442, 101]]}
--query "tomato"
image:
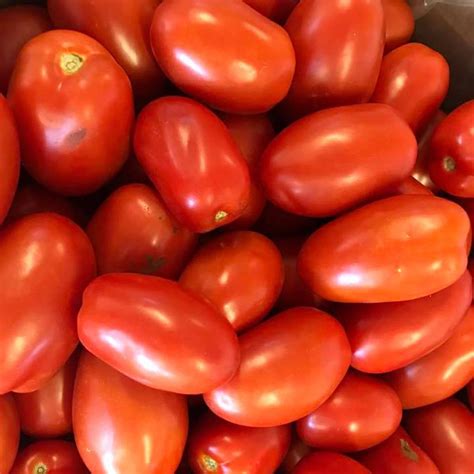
{"points": [[442, 372], [398, 454], [123, 426], [240, 273], [223, 53], [395, 249], [413, 80], [451, 159], [276, 10], [216, 445], [470, 393], [51, 457], [411, 186], [269, 387], [9, 432], [339, 47], [45, 264], [324, 163], [388, 336], [74, 108], [191, 158], [297, 451], [18, 25], [445, 431], [399, 23], [326, 462]]}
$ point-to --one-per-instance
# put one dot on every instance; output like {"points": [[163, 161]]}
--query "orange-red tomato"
{"points": [[276, 10], [326, 462], [399, 23], [296, 452], [9, 432], [409, 186]]}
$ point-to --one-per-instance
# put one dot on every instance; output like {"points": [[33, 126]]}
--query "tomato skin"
{"points": [[470, 393], [9, 432], [276, 10], [216, 445], [451, 160], [74, 127], [223, 53], [192, 160], [414, 80], [267, 389], [445, 431], [412, 186], [399, 23], [297, 451], [306, 173], [388, 336], [45, 264], [423, 250], [326, 462]]}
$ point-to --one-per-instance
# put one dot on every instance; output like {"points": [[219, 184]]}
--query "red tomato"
{"points": [[398, 454], [395, 249], [18, 25], [45, 264], [325, 462], [223, 53], [411, 186], [388, 336], [218, 446], [413, 80], [451, 159], [51, 457], [442, 372], [339, 47], [74, 109], [324, 164], [445, 431], [399, 23], [240, 273], [276, 10], [285, 371], [122, 426], [297, 451], [9, 432]]}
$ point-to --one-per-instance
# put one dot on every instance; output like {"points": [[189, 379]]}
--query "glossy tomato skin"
{"points": [[45, 264], [216, 445], [9, 432], [451, 160], [410, 186], [74, 108], [326, 462], [276, 10], [399, 23], [338, 48], [414, 80], [268, 388], [388, 336], [305, 172], [223, 53], [296, 452], [191, 158], [395, 249]]}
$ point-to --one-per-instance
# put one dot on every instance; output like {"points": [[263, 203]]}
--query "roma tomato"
{"points": [[388, 336], [339, 47], [51, 457], [157, 333], [409, 186], [441, 373], [296, 452], [132, 231], [240, 273], [399, 23], [445, 431], [451, 158], [413, 80], [74, 109], [285, 371], [223, 53], [216, 445], [334, 159], [326, 462], [45, 264], [9, 432], [276, 10], [395, 249]]}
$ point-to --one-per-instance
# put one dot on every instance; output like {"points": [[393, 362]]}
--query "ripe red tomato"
{"points": [[339, 47], [9, 432], [193, 161], [297, 451], [451, 158], [413, 80], [285, 371], [399, 23], [324, 163], [326, 462], [395, 249], [216, 445], [276, 10], [45, 264], [240, 273], [74, 108], [442, 372], [445, 431], [388, 336], [409, 186]]}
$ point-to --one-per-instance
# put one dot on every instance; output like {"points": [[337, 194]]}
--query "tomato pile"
{"points": [[234, 239]]}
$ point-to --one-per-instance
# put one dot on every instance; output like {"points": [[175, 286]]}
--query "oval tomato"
{"points": [[74, 108], [45, 264], [323, 164], [268, 389], [9, 432], [296, 452], [276, 10], [191, 158], [399, 23], [409, 186], [395, 249], [388, 336], [325, 462]]}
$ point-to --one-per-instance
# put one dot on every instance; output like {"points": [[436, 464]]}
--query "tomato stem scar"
{"points": [[407, 450], [449, 164], [40, 469], [71, 63], [220, 215], [208, 464]]}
